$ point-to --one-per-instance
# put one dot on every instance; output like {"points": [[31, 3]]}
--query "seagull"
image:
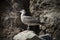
{"points": [[28, 20]]}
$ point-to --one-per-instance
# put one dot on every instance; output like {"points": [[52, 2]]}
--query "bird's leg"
{"points": [[28, 27]]}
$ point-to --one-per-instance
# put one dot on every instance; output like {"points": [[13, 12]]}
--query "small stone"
{"points": [[43, 27]]}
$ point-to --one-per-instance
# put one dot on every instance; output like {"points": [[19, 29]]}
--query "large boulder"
{"points": [[26, 35]]}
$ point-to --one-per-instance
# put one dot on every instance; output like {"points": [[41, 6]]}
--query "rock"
{"points": [[35, 38], [45, 37], [26, 35], [56, 35], [41, 32], [47, 13], [43, 27]]}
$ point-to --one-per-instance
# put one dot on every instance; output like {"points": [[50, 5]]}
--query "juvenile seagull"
{"points": [[28, 20]]}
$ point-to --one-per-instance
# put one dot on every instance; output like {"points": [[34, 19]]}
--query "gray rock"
{"points": [[26, 35]]}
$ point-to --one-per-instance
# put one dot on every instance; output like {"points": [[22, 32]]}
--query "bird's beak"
{"points": [[20, 11]]}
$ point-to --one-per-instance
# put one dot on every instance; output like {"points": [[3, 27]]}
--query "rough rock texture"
{"points": [[30, 35], [47, 11], [26, 35]]}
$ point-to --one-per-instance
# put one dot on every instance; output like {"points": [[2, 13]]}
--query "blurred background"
{"points": [[46, 11]]}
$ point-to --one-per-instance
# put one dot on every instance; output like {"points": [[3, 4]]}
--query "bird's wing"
{"points": [[30, 19]]}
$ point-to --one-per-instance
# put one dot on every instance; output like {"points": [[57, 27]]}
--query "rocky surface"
{"points": [[26, 35], [46, 11], [30, 35]]}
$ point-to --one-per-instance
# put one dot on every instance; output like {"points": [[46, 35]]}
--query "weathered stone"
{"points": [[47, 12], [26, 35]]}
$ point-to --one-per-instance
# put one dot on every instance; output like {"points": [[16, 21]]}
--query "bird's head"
{"points": [[23, 11]]}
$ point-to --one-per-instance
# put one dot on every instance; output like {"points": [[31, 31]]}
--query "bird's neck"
{"points": [[22, 15]]}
